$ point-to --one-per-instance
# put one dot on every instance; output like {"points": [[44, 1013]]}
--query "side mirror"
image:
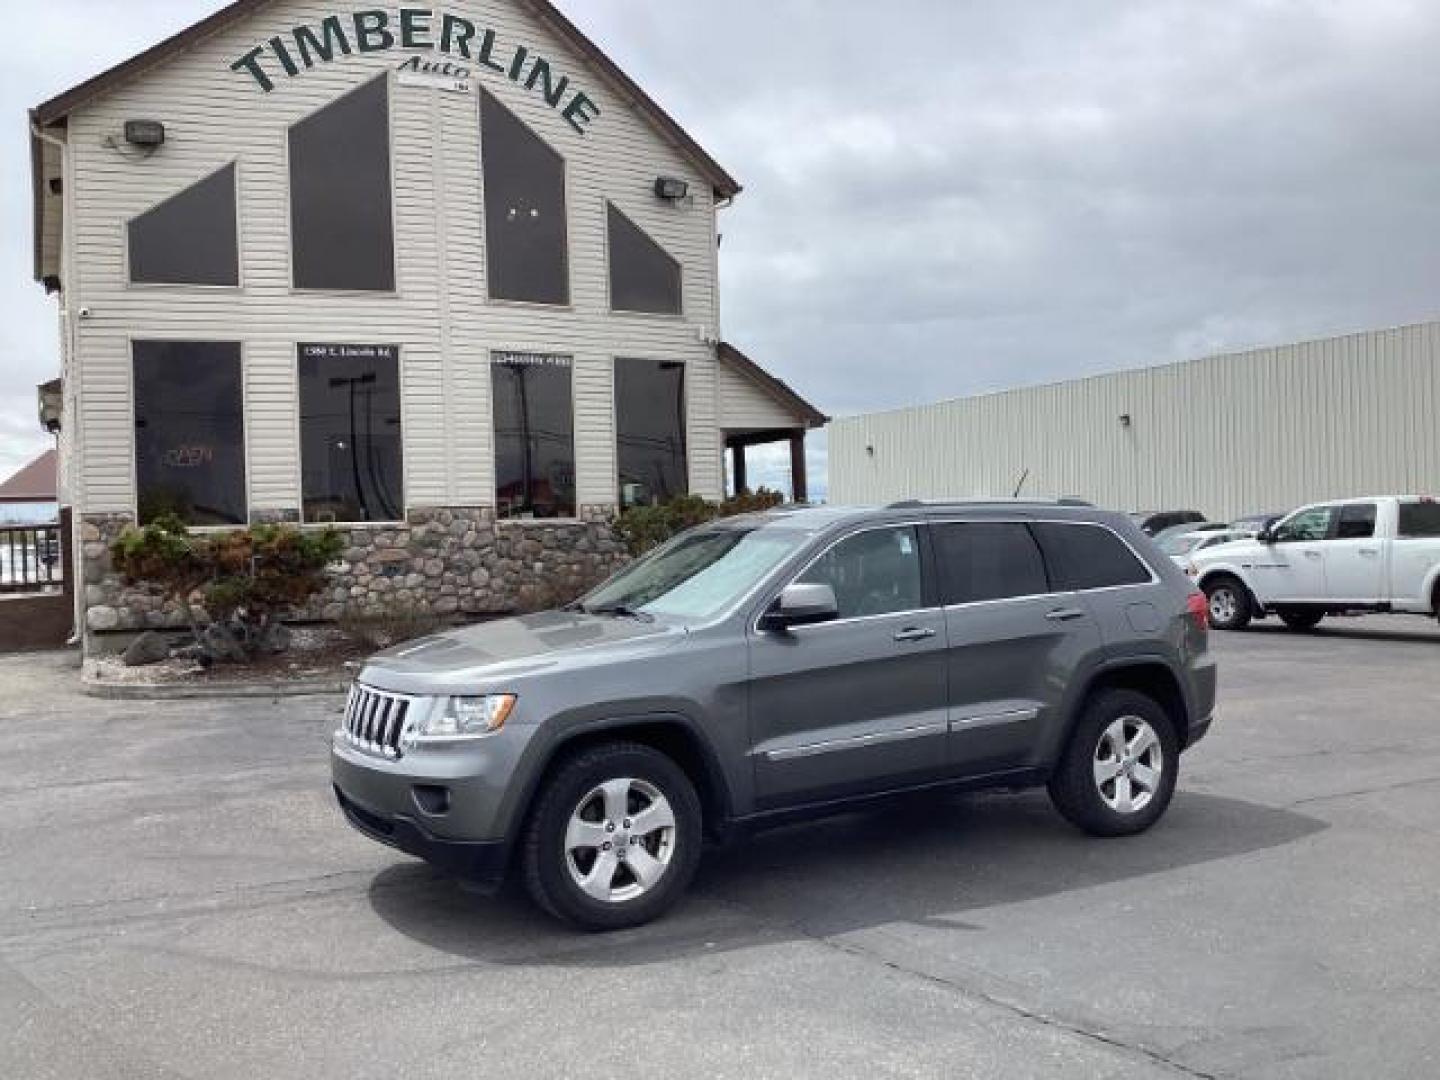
{"points": [[1266, 536], [802, 605]]}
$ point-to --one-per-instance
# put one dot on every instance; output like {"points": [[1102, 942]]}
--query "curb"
{"points": [[241, 691]]}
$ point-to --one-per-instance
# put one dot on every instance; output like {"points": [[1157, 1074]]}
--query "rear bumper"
{"points": [[1198, 731], [481, 865]]}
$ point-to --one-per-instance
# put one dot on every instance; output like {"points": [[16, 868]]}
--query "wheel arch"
{"points": [[673, 735], [1152, 676]]}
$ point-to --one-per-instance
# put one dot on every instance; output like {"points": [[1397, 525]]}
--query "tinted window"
{"points": [[1357, 522], [1420, 519], [341, 232], [873, 573], [650, 431], [190, 239], [643, 276], [988, 561], [189, 431], [1308, 525], [534, 436], [525, 231], [1088, 557], [350, 436]]}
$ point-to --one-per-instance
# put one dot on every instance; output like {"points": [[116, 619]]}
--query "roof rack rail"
{"points": [[922, 504]]}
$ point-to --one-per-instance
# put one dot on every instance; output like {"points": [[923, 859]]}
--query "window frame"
{"points": [[400, 350], [240, 284], [491, 360], [668, 316], [686, 369], [929, 597], [567, 186], [1339, 521], [132, 458], [397, 292]]}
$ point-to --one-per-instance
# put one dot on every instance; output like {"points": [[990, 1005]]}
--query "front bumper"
{"points": [[481, 865]]}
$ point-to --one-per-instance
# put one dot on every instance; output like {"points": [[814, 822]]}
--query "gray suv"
{"points": [[779, 665]]}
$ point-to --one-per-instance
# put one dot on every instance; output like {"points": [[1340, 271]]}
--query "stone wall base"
{"points": [[446, 561]]}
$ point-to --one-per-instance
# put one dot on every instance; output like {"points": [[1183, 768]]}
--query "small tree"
{"points": [[645, 527], [233, 587]]}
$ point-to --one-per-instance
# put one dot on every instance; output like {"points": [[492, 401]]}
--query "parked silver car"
{"points": [[779, 665]]}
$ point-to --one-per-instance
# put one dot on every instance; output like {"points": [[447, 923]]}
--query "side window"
{"points": [[189, 432], [873, 573], [1420, 519], [643, 276], [190, 238], [1357, 521], [987, 561], [1088, 557], [650, 431], [1306, 526], [526, 237], [342, 235]]}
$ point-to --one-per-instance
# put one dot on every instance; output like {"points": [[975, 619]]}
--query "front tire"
{"points": [[1301, 620], [1118, 772], [614, 838], [1229, 602]]}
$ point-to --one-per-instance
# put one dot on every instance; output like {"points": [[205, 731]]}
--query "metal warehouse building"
{"points": [[441, 276], [1258, 431]]}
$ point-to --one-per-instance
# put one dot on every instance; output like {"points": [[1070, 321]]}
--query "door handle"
{"points": [[1312, 554], [1066, 614], [1372, 552], [914, 633]]}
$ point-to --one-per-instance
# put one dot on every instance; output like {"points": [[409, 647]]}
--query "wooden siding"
{"points": [[1260, 431], [439, 314], [744, 406]]}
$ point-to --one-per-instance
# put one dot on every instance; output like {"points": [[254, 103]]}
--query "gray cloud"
{"points": [[947, 197]]}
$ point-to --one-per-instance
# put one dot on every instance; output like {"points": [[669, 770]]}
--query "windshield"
{"points": [[698, 575]]}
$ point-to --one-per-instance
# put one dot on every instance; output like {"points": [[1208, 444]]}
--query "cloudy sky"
{"points": [[950, 196]]}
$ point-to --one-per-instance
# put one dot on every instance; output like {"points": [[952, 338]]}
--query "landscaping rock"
{"points": [[148, 648]]}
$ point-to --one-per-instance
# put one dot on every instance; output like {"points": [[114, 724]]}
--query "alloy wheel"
{"points": [[1224, 605], [1129, 765], [620, 840]]}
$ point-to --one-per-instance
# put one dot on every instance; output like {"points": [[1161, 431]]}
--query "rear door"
{"points": [[858, 704], [1415, 554], [1355, 555], [1013, 642]]}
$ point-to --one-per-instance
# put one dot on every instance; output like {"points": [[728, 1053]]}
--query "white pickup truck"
{"points": [[1357, 555]]}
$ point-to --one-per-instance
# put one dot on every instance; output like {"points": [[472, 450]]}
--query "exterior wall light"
{"points": [[671, 187], [146, 134], [1125, 420]]}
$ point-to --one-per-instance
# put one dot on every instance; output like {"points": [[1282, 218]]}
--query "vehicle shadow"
{"points": [[936, 862], [1426, 633]]}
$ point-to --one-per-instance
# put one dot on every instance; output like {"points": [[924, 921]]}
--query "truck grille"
{"points": [[374, 720]]}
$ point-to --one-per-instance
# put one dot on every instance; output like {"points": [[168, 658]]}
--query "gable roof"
{"points": [[772, 387], [36, 482], [59, 107]]}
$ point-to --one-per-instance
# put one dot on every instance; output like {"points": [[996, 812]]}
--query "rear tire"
{"points": [[1229, 602], [1118, 772], [1300, 620], [614, 837]]}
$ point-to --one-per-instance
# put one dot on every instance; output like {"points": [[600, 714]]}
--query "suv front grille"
{"points": [[374, 720]]}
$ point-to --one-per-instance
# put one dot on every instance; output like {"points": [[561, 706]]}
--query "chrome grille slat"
{"points": [[375, 720]]}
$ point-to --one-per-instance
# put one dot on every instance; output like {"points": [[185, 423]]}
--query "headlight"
{"points": [[465, 717]]}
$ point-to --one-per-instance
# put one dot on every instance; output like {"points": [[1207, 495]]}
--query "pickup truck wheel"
{"points": [[614, 838], [1117, 774], [1301, 619], [1229, 603]]}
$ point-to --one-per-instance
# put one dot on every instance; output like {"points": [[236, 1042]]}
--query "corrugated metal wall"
{"points": [[1248, 432]]}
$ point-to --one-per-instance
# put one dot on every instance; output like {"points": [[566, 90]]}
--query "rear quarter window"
{"points": [[1088, 557], [1420, 519]]}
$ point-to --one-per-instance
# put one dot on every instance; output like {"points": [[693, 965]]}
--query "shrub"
{"points": [[233, 587], [395, 626], [642, 528]]}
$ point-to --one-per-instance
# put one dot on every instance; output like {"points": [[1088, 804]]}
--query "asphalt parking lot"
{"points": [[179, 898]]}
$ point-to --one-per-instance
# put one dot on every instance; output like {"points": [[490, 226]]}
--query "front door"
{"points": [[857, 704], [1355, 559], [1292, 569]]}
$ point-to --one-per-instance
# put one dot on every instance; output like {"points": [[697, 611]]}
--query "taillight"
{"points": [[1199, 609]]}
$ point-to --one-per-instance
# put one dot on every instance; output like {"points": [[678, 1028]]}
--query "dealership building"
{"points": [[443, 277], [1262, 431]]}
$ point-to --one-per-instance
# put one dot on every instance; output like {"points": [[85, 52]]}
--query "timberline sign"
{"points": [[467, 46]]}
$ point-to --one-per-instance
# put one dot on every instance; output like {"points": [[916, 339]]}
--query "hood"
{"points": [[1235, 549], [510, 648]]}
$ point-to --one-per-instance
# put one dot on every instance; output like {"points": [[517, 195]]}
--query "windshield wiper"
{"points": [[621, 611]]}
